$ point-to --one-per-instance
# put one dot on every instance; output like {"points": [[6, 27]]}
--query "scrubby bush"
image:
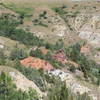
{"points": [[48, 57], [8, 28], [52, 61], [42, 24], [72, 68], [58, 45], [7, 25], [59, 10], [73, 51], [8, 90], [26, 38], [59, 91], [85, 64], [32, 74], [2, 58], [43, 14], [36, 53], [17, 53]]}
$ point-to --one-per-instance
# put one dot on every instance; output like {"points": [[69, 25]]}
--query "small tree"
{"points": [[36, 53], [2, 57], [8, 90], [73, 52], [17, 54]]}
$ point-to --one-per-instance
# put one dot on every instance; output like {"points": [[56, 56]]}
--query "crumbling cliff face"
{"points": [[80, 20], [91, 31], [87, 27]]}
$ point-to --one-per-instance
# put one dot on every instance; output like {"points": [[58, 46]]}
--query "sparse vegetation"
{"points": [[47, 57], [32, 74], [40, 20], [8, 28], [8, 90], [2, 57], [73, 52], [20, 26], [59, 91], [17, 53], [22, 11], [43, 14], [66, 15]]}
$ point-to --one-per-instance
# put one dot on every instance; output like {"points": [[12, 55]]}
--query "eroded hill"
{"points": [[64, 40]]}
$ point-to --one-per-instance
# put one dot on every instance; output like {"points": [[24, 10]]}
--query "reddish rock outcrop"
{"points": [[36, 63], [60, 56]]}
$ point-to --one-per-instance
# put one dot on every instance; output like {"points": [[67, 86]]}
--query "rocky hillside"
{"points": [[52, 47], [20, 80]]}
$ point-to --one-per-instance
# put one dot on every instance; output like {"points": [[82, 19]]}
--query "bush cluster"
{"points": [[8, 90], [8, 28]]}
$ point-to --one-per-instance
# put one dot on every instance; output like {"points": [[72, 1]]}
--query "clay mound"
{"points": [[36, 63]]}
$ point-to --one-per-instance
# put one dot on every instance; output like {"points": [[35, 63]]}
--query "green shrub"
{"points": [[17, 53], [8, 90], [59, 10], [36, 53], [32, 74], [2, 58], [72, 68], [83, 97], [43, 14], [59, 91], [7, 25], [58, 45], [48, 57], [42, 24], [85, 64], [21, 10], [8, 28], [73, 51]]}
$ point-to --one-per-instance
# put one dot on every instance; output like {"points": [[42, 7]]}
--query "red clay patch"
{"points": [[36, 63], [60, 56]]}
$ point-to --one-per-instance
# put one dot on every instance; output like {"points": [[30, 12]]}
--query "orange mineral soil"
{"points": [[36, 63]]}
